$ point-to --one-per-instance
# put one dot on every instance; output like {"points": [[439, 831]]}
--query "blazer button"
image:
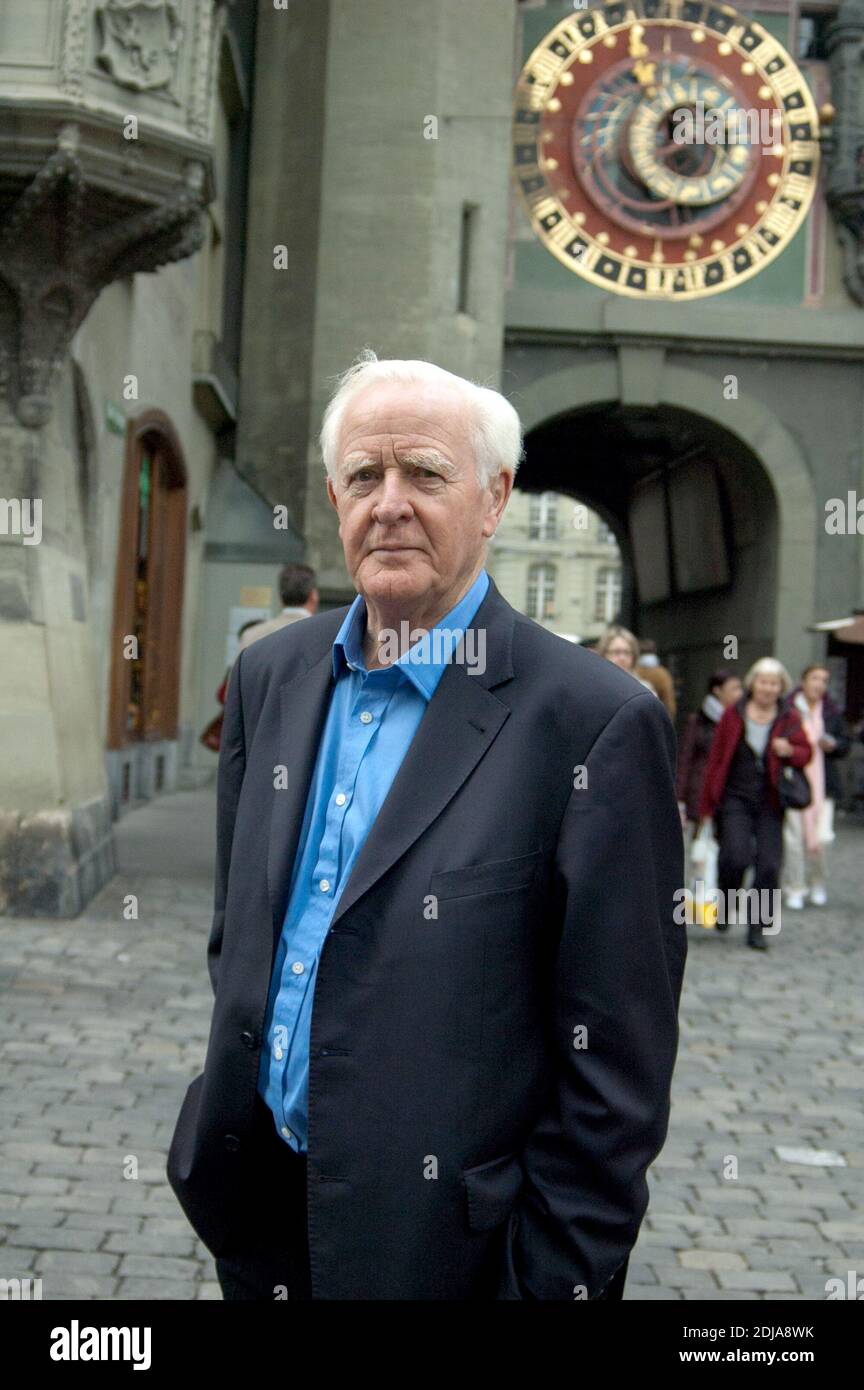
{"points": [[247, 1039], [231, 1142]]}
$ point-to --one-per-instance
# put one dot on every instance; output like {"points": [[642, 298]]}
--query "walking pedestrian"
{"points": [[648, 669], [755, 737], [619, 646], [724, 689], [807, 833]]}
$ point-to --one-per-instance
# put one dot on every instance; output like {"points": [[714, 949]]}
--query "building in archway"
{"points": [[558, 562]]}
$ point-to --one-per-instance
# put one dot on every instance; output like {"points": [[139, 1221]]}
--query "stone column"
{"points": [[379, 176], [844, 185]]}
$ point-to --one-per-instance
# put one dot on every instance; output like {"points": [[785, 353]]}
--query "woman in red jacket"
{"points": [[753, 739]]}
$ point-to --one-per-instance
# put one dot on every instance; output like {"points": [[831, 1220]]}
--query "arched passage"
{"points": [[710, 499]]}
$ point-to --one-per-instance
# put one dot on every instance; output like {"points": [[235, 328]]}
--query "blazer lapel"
{"points": [[461, 721]]}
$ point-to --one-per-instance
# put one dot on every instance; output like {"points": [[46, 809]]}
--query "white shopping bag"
{"points": [[703, 876]]}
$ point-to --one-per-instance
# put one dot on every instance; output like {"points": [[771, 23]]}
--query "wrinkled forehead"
{"points": [[425, 412]]}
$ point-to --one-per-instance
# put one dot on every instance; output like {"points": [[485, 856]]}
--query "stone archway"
{"points": [[640, 384]]}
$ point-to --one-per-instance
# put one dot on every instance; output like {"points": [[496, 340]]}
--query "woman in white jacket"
{"points": [[807, 833]]}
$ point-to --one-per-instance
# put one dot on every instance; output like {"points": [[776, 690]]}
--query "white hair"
{"points": [[768, 666], [496, 432]]}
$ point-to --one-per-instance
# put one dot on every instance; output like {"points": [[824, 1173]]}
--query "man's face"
{"points": [[412, 515]]}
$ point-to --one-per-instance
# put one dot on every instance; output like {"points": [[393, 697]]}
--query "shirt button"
{"points": [[365, 717], [286, 1131], [341, 799], [324, 885], [297, 967]]}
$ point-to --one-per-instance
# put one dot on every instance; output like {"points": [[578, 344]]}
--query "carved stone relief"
{"points": [[140, 42]]}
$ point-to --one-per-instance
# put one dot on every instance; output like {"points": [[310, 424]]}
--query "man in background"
{"points": [[299, 598]]}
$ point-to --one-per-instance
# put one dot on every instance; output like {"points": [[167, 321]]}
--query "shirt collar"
{"points": [[425, 662]]}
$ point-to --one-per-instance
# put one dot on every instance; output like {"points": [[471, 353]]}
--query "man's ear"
{"points": [[331, 491], [500, 487]]}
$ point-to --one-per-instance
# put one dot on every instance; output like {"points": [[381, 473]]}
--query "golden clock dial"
{"points": [[664, 149]]}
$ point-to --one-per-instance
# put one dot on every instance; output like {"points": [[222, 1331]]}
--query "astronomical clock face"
{"points": [[664, 149]]}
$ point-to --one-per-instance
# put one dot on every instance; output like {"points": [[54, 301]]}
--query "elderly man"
{"points": [[444, 957]]}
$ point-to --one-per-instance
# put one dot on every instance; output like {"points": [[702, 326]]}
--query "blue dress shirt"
{"points": [[372, 719]]}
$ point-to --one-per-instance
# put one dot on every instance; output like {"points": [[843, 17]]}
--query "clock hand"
{"points": [[642, 71]]}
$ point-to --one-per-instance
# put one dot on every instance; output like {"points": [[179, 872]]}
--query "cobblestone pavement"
{"points": [[105, 1020]]}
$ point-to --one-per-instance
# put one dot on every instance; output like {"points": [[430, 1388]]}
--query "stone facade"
{"points": [[107, 159], [559, 562]]}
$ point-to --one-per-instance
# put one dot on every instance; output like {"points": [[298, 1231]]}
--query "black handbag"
{"points": [[793, 789]]}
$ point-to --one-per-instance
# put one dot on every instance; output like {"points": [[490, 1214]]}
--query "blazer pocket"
{"points": [[496, 876], [492, 1189]]}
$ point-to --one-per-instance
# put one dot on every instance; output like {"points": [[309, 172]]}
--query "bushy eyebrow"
{"points": [[413, 458], [423, 458]]}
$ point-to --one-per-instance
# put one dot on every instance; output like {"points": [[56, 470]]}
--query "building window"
{"points": [[540, 598], [607, 594], [605, 534], [812, 35], [543, 517], [467, 253]]}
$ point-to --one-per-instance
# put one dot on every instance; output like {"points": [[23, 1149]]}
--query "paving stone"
{"points": [[54, 1238], [843, 1230], [71, 1287], [760, 1280], [720, 1295], [711, 1259], [78, 1262], [676, 1277], [151, 1289], [104, 1222], [156, 1267], [650, 1291], [152, 1244]]}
